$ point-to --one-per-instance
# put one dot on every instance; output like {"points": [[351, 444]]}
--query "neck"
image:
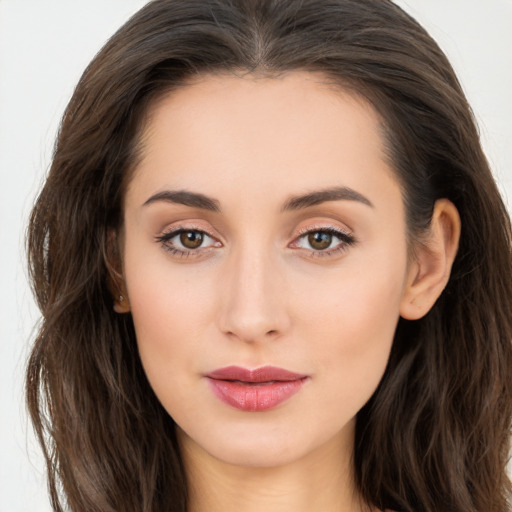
{"points": [[322, 480]]}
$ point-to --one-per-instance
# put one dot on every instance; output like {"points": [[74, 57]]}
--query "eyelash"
{"points": [[346, 240], [165, 239]]}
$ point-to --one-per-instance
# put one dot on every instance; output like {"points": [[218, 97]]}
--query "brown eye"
{"points": [[191, 239], [320, 240], [183, 242]]}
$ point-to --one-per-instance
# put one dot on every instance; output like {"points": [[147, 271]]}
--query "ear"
{"points": [[429, 272], [116, 283]]}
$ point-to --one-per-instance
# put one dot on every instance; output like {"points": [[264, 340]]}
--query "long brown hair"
{"points": [[435, 435]]}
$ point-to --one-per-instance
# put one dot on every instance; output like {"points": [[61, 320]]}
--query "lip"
{"points": [[254, 390]]}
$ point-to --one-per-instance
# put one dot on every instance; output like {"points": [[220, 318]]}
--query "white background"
{"points": [[45, 45]]}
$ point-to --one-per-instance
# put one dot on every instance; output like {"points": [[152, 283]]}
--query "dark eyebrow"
{"points": [[321, 196], [197, 200], [192, 199]]}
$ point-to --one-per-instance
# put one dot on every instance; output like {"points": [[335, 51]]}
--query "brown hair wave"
{"points": [[434, 437]]}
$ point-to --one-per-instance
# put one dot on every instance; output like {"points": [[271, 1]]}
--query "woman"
{"points": [[274, 270]]}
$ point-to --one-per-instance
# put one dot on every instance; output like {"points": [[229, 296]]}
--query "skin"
{"points": [[257, 292]]}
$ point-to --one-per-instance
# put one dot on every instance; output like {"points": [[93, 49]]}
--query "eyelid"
{"points": [[345, 236], [168, 234], [323, 227], [180, 228]]}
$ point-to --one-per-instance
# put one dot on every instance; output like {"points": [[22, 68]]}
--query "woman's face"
{"points": [[264, 228]]}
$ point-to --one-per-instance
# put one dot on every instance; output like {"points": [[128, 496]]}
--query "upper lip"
{"points": [[262, 374]]}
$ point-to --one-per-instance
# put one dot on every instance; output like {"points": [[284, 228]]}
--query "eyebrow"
{"points": [[322, 196], [197, 200], [186, 198]]}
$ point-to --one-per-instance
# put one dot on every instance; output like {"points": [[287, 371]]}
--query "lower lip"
{"points": [[254, 397]]}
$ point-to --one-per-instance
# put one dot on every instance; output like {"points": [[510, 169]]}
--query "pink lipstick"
{"points": [[254, 390]]}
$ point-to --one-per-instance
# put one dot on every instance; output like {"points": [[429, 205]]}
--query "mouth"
{"points": [[254, 390]]}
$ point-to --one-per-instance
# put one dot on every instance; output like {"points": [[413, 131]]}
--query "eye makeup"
{"points": [[316, 241], [187, 241], [323, 241]]}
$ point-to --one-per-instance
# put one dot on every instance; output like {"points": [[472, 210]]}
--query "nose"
{"points": [[253, 299]]}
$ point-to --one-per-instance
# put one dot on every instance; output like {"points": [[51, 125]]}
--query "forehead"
{"points": [[290, 133]]}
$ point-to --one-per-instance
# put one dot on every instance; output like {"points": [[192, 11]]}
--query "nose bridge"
{"points": [[253, 308]]}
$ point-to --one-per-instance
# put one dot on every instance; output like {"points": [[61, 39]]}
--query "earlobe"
{"points": [[121, 304], [429, 273], [115, 280]]}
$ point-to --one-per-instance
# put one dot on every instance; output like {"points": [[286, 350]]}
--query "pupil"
{"points": [[320, 240], [191, 239]]}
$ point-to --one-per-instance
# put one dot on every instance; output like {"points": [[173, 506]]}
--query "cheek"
{"points": [[165, 305], [350, 326], [170, 309]]}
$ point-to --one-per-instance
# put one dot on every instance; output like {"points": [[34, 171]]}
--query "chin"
{"points": [[264, 446], [259, 454]]}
